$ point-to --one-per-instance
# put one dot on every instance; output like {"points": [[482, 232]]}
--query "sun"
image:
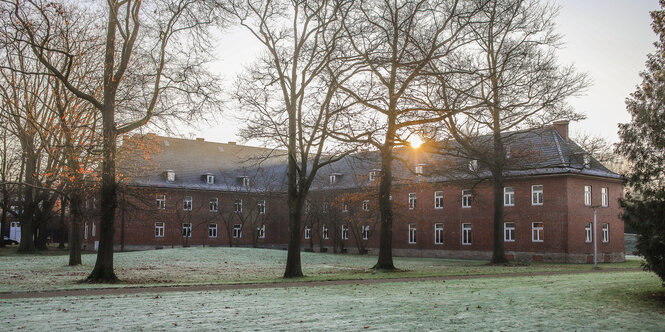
{"points": [[415, 141]]}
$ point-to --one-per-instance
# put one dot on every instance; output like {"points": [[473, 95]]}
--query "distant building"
{"points": [[191, 192]]}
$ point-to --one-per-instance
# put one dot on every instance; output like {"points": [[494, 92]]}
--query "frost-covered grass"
{"points": [[219, 265], [582, 302]]}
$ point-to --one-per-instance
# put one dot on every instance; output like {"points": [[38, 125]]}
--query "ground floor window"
{"points": [[345, 232], [509, 232], [212, 230], [324, 231], [186, 230], [159, 229], [606, 233], [537, 232], [308, 233], [237, 231], [412, 233], [261, 232], [438, 233], [365, 232], [588, 233], [466, 234]]}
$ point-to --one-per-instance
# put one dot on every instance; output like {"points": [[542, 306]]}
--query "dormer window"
{"points": [[473, 165], [244, 181], [210, 179], [587, 160], [373, 174], [419, 169], [170, 176], [334, 177]]}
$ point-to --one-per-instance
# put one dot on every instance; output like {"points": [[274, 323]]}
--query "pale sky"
{"points": [[608, 39]]}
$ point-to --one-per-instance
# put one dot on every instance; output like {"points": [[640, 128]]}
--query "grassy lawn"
{"points": [[580, 302], [222, 265]]}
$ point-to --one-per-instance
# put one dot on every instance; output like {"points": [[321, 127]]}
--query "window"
{"points": [[606, 233], [237, 206], [85, 231], [244, 181], [170, 176], [261, 232], [214, 204], [419, 169], [159, 229], [261, 204], [438, 199], [308, 207], [326, 205], [365, 205], [94, 229], [187, 203], [473, 165], [438, 233], [212, 230], [373, 175], [365, 230], [587, 195], [345, 207], [333, 178], [412, 233], [237, 231], [308, 232], [325, 232], [587, 160], [588, 233], [466, 198], [604, 197], [186, 230], [412, 201], [508, 196], [210, 179], [466, 234], [537, 232], [537, 194], [161, 201], [345, 232], [508, 232]]}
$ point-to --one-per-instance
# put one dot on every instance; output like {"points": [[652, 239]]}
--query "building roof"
{"points": [[534, 152]]}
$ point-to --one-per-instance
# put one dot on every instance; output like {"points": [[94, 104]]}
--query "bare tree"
{"points": [[508, 78], [152, 53], [291, 92]]}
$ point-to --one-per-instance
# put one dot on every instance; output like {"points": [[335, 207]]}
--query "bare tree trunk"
{"points": [[75, 229], [498, 252], [385, 261], [27, 223], [63, 226]]}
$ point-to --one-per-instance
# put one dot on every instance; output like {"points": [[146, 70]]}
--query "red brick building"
{"points": [[192, 192]]}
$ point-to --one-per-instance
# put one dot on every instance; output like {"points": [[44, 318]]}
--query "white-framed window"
{"points": [[587, 195], [606, 233], [237, 231], [537, 194], [244, 181], [161, 202], [159, 229], [85, 230], [438, 233], [365, 230], [212, 230], [324, 231], [210, 179], [326, 205], [604, 197], [237, 206], [94, 229], [170, 176], [412, 233], [508, 196], [308, 207], [187, 203], [345, 232], [261, 232], [466, 198], [187, 230], [466, 234], [373, 175], [473, 165], [537, 232], [587, 160], [438, 199], [261, 204], [588, 233], [333, 178], [412, 201], [308, 232], [508, 232], [345, 207], [419, 169], [366, 205], [214, 204]]}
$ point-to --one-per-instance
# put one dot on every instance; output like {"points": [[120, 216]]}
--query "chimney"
{"points": [[200, 139], [562, 128]]}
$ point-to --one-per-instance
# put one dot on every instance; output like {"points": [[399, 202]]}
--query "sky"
{"points": [[607, 39]]}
